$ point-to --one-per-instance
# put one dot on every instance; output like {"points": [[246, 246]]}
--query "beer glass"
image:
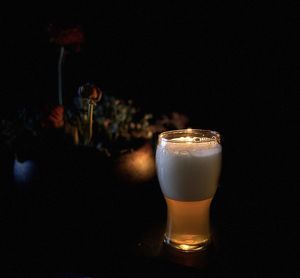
{"points": [[188, 165]]}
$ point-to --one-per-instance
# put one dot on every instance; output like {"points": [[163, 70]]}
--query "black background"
{"points": [[230, 67]]}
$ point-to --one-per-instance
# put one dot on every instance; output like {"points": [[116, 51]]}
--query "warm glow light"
{"points": [[138, 165], [184, 139], [185, 247], [142, 162]]}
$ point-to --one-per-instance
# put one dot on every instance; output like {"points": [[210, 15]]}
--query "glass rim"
{"points": [[211, 135]]}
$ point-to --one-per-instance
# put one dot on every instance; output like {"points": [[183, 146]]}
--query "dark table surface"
{"points": [[87, 225]]}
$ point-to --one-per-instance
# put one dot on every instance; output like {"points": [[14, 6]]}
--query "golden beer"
{"points": [[188, 166]]}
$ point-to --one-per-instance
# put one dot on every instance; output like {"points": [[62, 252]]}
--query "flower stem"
{"points": [[60, 61], [90, 134]]}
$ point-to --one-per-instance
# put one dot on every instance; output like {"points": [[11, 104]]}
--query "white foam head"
{"points": [[188, 167], [194, 146]]}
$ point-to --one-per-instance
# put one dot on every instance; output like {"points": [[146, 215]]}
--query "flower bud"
{"points": [[91, 92]]}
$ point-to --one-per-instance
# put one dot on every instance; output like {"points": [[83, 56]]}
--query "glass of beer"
{"points": [[188, 165]]}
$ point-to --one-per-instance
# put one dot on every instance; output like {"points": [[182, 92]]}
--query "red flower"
{"points": [[66, 36], [54, 118]]}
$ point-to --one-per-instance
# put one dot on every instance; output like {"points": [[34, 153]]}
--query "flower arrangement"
{"points": [[120, 125], [111, 125], [117, 125]]}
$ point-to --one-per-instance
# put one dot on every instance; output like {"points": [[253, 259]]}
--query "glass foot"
{"points": [[187, 247]]}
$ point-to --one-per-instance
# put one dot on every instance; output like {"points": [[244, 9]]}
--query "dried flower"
{"points": [[53, 118], [91, 92], [64, 37], [70, 36], [89, 95]]}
